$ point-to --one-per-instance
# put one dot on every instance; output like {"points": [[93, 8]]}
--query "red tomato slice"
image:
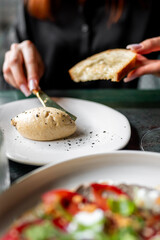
{"points": [[100, 189], [11, 235], [62, 205], [70, 201], [15, 233], [61, 223]]}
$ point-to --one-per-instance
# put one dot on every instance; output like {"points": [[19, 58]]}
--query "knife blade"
{"points": [[48, 102]]}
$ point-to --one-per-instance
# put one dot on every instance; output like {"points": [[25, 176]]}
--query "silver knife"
{"points": [[48, 102]]}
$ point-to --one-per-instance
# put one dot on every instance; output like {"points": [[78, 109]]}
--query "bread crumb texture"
{"points": [[44, 124], [113, 64]]}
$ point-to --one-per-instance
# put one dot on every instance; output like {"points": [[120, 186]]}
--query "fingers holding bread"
{"points": [[147, 46], [150, 67], [144, 65]]}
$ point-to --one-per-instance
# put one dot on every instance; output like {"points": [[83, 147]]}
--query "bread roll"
{"points": [[112, 64]]}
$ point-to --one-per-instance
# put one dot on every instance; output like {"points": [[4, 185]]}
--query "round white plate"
{"points": [[99, 129], [132, 167]]}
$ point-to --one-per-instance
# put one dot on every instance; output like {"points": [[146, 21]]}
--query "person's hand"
{"points": [[143, 64], [23, 67]]}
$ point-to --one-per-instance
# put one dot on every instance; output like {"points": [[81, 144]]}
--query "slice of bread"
{"points": [[112, 64]]}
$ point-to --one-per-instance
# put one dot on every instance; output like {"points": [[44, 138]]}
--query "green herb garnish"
{"points": [[123, 206], [125, 234], [45, 231]]}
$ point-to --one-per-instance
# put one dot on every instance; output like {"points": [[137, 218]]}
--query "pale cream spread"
{"points": [[44, 124]]}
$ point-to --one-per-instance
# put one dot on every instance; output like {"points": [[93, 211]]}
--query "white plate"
{"points": [[99, 129], [121, 167]]}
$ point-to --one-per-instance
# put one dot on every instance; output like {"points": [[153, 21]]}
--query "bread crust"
{"points": [[126, 69], [127, 66]]}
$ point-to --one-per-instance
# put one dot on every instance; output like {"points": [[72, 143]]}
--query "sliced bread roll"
{"points": [[112, 64]]}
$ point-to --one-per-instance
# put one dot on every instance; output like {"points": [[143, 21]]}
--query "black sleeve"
{"points": [[153, 29]]}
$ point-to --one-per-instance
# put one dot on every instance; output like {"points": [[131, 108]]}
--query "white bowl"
{"points": [[122, 166]]}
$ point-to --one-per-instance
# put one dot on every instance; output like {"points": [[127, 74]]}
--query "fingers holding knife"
{"points": [[23, 67]]}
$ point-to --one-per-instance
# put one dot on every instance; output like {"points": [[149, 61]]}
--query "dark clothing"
{"points": [[80, 31]]}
